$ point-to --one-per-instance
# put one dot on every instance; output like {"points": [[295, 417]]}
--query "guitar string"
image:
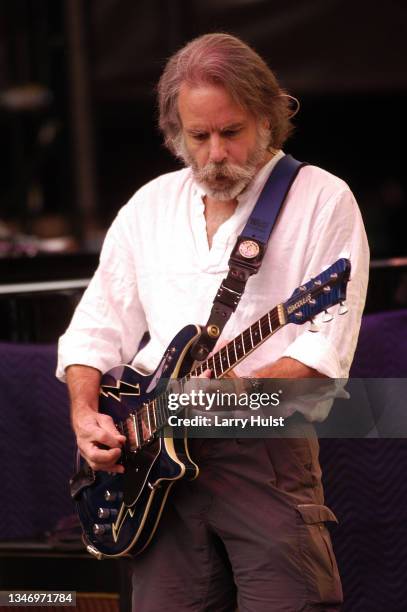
{"points": [[269, 323], [246, 340], [243, 344]]}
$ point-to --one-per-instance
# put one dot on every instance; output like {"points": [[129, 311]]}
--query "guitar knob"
{"points": [[113, 495], [99, 530], [314, 327], [342, 309], [327, 317], [105, 513]]}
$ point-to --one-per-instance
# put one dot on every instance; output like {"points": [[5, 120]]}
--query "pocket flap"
{"points": [[316, 513]]}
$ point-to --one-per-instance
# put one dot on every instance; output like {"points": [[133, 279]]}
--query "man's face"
{"points": [[221, 141]]}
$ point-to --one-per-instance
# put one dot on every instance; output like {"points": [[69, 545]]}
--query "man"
{"points": [[250, 530]]}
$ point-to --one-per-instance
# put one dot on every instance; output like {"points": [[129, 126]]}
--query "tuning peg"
{"points": [[327, 317], [314, 327], [342, 309]]}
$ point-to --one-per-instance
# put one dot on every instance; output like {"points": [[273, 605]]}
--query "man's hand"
{"points": [[239, 385], [98, 440]]}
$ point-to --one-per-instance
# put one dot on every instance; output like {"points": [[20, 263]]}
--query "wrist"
{"points": [[253, 384]]}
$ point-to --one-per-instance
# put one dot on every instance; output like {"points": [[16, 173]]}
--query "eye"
{"points": [[231, 132], [200, 136]]}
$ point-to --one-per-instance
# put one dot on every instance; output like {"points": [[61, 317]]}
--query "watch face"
{"points": [[249, 249]]}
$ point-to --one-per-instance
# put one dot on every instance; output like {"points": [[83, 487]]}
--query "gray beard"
{"points": [[224, 181]]}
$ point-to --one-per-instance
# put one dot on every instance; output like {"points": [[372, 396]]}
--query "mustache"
{"points": [[213, 171]]}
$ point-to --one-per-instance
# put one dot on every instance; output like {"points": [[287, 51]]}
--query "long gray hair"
{"points": [[222, 59]]}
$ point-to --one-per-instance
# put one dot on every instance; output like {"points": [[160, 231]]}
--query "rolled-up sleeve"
{"points": [[109, 321], [338, 232]]}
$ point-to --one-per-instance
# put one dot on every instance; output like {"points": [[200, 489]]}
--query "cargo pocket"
{"points": [[317, 556], [295, 462]]}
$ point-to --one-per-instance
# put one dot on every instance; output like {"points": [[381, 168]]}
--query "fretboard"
{"points": [[235, 351], [154, 415]]}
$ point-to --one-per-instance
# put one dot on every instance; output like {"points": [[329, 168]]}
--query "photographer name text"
{"points": [[218, 421]]}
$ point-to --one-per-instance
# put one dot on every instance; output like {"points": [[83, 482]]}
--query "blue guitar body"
{"points": [[120, 512]]}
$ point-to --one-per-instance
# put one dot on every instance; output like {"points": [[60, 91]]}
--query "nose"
{"points": [[217, 152]]}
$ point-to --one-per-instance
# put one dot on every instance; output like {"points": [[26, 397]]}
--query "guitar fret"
{"points": [[140, 424], [163, 406], [157, 414], [214, 367], [136, 430], [201, 368], [227, 354], [239, 347], [219, 359], [223, 359], [266, 326], [148, 420], [143, 423], [220, 362], [154, 415], [167, 411]]}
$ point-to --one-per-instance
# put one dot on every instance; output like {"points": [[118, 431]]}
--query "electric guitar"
{"points": [[119, 513]]}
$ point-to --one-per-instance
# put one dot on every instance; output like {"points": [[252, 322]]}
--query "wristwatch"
{"points": [[255, 384]]}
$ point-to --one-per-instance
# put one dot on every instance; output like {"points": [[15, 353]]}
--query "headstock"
{"points": [[319, 294]]}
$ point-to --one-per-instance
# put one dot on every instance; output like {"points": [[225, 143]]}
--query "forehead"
{"points": [[209, 107]]}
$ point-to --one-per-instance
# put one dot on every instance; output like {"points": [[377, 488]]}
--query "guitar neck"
{"points": [[307, 301], [220, 363], [237, 349]]}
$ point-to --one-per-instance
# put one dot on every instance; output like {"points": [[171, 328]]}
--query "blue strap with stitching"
{"points": [[264, 215]]}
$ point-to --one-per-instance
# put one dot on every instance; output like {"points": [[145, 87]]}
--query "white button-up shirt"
{"points": [[158, 274]]}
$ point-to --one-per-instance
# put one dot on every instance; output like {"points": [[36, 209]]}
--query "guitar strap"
{"points": [[248, 253]]}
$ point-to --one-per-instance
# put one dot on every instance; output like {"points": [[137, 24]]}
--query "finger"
{"points": [[99, 437], [100, 459], [106, 439], [105, 422], [103, 455], [206, 374], [100, 429], [102, 467]]}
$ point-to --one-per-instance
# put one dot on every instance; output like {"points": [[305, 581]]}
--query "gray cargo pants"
{"points": [[248, 533]]}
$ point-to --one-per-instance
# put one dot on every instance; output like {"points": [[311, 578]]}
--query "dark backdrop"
{"points": [[344, 60]]}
